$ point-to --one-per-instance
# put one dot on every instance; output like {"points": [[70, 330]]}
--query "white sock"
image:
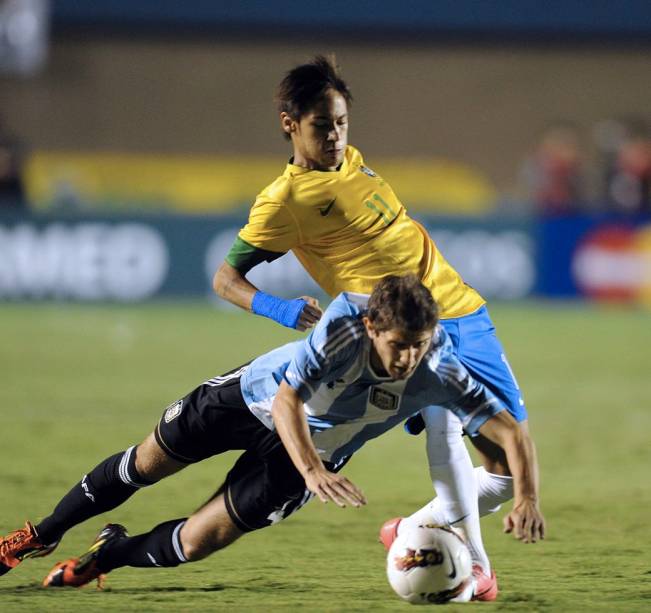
{"points": [[455, 483], [492, 490]]}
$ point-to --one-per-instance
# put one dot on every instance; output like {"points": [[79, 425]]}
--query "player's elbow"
{"points": [[503, 430], [222, 279]]}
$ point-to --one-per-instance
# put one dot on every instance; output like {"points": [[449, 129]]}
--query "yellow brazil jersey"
{"points": [[348, 229]]}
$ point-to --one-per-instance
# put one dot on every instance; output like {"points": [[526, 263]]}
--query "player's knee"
{"points": [[151, 463], [197, 546], [204, 534]]}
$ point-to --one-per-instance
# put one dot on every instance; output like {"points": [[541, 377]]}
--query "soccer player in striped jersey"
{"points": [[299, 412], [348, 228]]}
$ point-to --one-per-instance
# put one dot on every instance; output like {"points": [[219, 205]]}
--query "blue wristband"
{"points": [[285, 312]]}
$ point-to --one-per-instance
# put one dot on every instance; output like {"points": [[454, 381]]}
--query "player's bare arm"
{"points": [[291, 425], [231, 285], [525, 520]]}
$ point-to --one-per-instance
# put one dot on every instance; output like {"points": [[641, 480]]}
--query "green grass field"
{"points": [[80, 383]]}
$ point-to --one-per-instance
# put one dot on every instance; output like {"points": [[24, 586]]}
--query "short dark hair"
{"points": [[304, 85], [403, 303]]}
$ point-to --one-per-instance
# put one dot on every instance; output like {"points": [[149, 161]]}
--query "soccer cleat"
{"points": [[485, 586], [77, 572], [389, 532], [21, 544]]}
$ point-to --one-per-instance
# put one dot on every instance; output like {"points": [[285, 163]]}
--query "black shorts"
{"points": [[263, 486]]}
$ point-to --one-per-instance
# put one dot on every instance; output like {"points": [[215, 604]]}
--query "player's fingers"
{"points": [[313, 302], [301, 326], [308, 320], [347, 491], [530, 527], [334, 495], [348, 486], [508, 524], [355, 498], [354, 492], [321, 495], [311, 313]]}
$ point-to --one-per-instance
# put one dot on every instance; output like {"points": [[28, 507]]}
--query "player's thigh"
{"points": [[480, 351], [208, 529], [211, 419], [153, 463], [264, 487]]}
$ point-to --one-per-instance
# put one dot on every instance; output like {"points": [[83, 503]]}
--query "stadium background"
{"points": [[145, 130]]}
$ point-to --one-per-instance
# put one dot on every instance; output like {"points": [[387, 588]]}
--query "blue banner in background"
{"points": [[516, 18], [603, 257], [136, 258]]}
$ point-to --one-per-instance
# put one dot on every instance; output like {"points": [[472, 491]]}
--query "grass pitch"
{"points": [[80, 383]]}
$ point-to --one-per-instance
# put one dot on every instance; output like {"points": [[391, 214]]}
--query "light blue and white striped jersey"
{"points": [[345, 401]]}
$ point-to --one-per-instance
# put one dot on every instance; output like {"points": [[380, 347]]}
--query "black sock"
{"points": [[159, 547], [107, 486]]}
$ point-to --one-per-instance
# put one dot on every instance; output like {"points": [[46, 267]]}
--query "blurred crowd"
{"points": [[12, 194], [567, 171], [560, 177]]}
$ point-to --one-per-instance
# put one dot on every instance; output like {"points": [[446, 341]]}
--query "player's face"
{"points": [[397, 352], [321, 135]]}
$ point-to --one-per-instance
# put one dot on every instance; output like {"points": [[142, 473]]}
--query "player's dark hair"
{"points": [[306, 84], [403, 303]]}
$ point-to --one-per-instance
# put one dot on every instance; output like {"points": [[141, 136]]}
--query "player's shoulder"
{"points": [[277, 192], [353, 156], [441, 349], [348, 304], [341, 324]]}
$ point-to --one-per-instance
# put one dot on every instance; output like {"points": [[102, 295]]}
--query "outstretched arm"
{"points": [[231, 285], [525, 519], [289, 418]]}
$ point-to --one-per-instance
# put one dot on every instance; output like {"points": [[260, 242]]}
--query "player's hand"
{"points": [[310, 314], [526, 522], [332, 486]]}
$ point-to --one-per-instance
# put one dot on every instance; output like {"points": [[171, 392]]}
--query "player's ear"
{"points": [[287, 124], [370, 329]]}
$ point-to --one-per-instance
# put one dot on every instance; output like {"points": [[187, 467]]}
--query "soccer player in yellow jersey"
{"points": [[349, 229]]}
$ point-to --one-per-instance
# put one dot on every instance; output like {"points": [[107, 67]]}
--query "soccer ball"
{"points": [[430, 565]]}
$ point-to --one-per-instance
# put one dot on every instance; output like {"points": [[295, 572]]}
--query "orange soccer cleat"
{"points": [[389, 532], [21, 544], [485, 586], [77, 572]]}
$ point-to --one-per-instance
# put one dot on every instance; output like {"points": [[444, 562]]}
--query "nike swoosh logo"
{"points": [[153, 559], [453, 574], [326, 210], [456, 521]]}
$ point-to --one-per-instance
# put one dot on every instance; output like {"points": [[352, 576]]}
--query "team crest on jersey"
{"points": [[367, 171], [173, 411], [383, 399]]}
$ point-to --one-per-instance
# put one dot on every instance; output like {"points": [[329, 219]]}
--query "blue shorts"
{"points": [[479, 350]]}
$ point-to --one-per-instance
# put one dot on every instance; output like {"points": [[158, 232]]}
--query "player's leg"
{"points": [[108, 485], [213, 419], [481, 352], [453, 478], [262, 488]]}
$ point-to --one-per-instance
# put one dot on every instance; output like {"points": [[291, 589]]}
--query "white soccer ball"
{"points": [[430, 565]]}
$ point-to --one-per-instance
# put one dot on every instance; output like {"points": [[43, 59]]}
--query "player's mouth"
{"points": [[399, 372], [334, 152]]}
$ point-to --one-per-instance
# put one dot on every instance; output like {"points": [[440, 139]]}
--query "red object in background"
{"points": [[607, 264]]}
